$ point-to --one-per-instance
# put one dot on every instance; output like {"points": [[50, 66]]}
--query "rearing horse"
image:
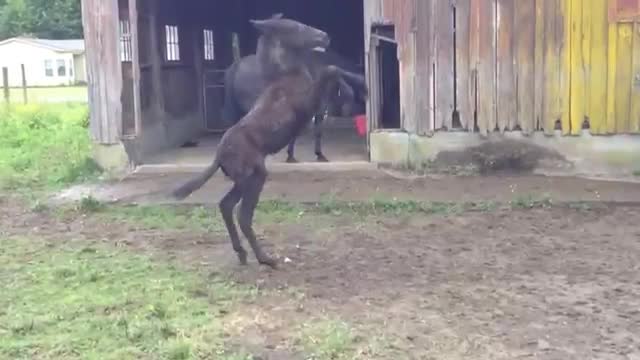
{"points": [[282, 43]]}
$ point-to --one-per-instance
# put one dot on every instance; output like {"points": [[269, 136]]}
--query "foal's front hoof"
{"points": [[322, 158], [292, 160], [242, 257], [268, 261]]}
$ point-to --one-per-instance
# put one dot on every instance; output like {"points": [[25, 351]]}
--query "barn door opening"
{"points": [[386, 76]]}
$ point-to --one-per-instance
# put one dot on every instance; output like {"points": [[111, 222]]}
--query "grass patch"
{"points": [[328, 340], [532, 202], [92, 303], [398, 207], [209, 219], [44, 146], [57, 94]]}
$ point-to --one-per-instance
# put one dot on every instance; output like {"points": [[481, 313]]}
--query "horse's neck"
{"points": [[276, 59]]}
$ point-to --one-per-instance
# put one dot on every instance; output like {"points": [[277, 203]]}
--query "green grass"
{"points": [[92, 303], [44, 146], [327, 340], [57, 94]]}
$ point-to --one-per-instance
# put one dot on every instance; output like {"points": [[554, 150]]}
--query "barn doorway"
{"points": [[215, 33], [385, 70]]}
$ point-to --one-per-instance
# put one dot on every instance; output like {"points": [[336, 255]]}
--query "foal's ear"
{"points": [[277, 16]]}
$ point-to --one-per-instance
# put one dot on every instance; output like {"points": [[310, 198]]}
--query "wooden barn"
{"points": [[443, 74]]}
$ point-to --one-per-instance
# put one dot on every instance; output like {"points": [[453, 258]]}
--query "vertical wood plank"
{"points": [[635, 81], [474, 60], [406, 37], [506, 83], [624, 77], [135, 64], [563, 33], [525, 64], [464, 80], [486, 68], [552, 85], [23, 73], [597, 98], [539, 66], [578, 66], [424, 64], [104, 70], [5, 85], [611, 77], [444, 79]]}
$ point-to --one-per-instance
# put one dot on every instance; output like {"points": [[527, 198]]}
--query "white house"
{"points": [[46, 62]]}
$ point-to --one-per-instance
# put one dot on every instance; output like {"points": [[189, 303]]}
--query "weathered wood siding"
{"points": [[505, 65], [402, 13], [104, 71]]}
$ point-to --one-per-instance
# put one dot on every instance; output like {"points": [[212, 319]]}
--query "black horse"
{"points": [[282, 42]]}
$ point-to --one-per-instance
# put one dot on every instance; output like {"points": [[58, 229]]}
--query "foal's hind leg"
{"points": [[227, 204], [251, 190], [290, 149], [317, 134]]}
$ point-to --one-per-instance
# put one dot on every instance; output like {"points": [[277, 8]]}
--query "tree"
{"points": [[55, 19]]}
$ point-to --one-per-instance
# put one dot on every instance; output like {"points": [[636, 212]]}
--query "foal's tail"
{"points": [[196, 183]]}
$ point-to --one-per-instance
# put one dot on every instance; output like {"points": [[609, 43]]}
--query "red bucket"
{"points": [[361, 124]]}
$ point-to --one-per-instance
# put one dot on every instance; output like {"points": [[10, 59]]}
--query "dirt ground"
{"points": [[359, 185], [544, 283]]}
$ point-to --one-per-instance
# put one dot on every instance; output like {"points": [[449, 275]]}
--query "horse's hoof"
{"points": [[322, 158], [268, 261], [292, 160]]}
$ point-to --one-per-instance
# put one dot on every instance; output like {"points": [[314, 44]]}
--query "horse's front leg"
{"points": [[317, 134]]}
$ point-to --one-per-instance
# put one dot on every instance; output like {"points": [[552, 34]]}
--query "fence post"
{"points": [[5, 83], [24, 84]]}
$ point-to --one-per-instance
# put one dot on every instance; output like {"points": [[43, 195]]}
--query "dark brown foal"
{"points": [[279, 115]]}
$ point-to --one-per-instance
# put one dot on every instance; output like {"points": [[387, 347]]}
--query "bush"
{"points": [[44, 145]]}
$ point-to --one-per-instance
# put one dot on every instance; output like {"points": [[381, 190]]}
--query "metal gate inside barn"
{"points": [[508, 65]]}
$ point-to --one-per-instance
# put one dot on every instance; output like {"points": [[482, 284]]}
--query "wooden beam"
{"points": [[104, 70], [5, 84], [135, 65], [24, 84]]}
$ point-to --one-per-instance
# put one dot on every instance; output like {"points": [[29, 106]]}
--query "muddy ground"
{"points": [[561, 282]]}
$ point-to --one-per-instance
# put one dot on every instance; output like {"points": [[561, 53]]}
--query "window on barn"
{"points": [[48, 68], [61, 65], [125, 41], [209, 48], [173, 43]]}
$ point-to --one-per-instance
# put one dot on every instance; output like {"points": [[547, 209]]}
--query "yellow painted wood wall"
{"points": [[537, 65], [604, 69]]}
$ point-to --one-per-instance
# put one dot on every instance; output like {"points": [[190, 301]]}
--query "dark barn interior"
{"points": [[184, 48]]}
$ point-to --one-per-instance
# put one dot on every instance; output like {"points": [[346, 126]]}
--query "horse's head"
{"points": [[292, 34]]}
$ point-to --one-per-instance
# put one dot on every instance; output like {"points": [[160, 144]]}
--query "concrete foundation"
{"points": [[340, 145], [113, 159], [616, 155]]}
